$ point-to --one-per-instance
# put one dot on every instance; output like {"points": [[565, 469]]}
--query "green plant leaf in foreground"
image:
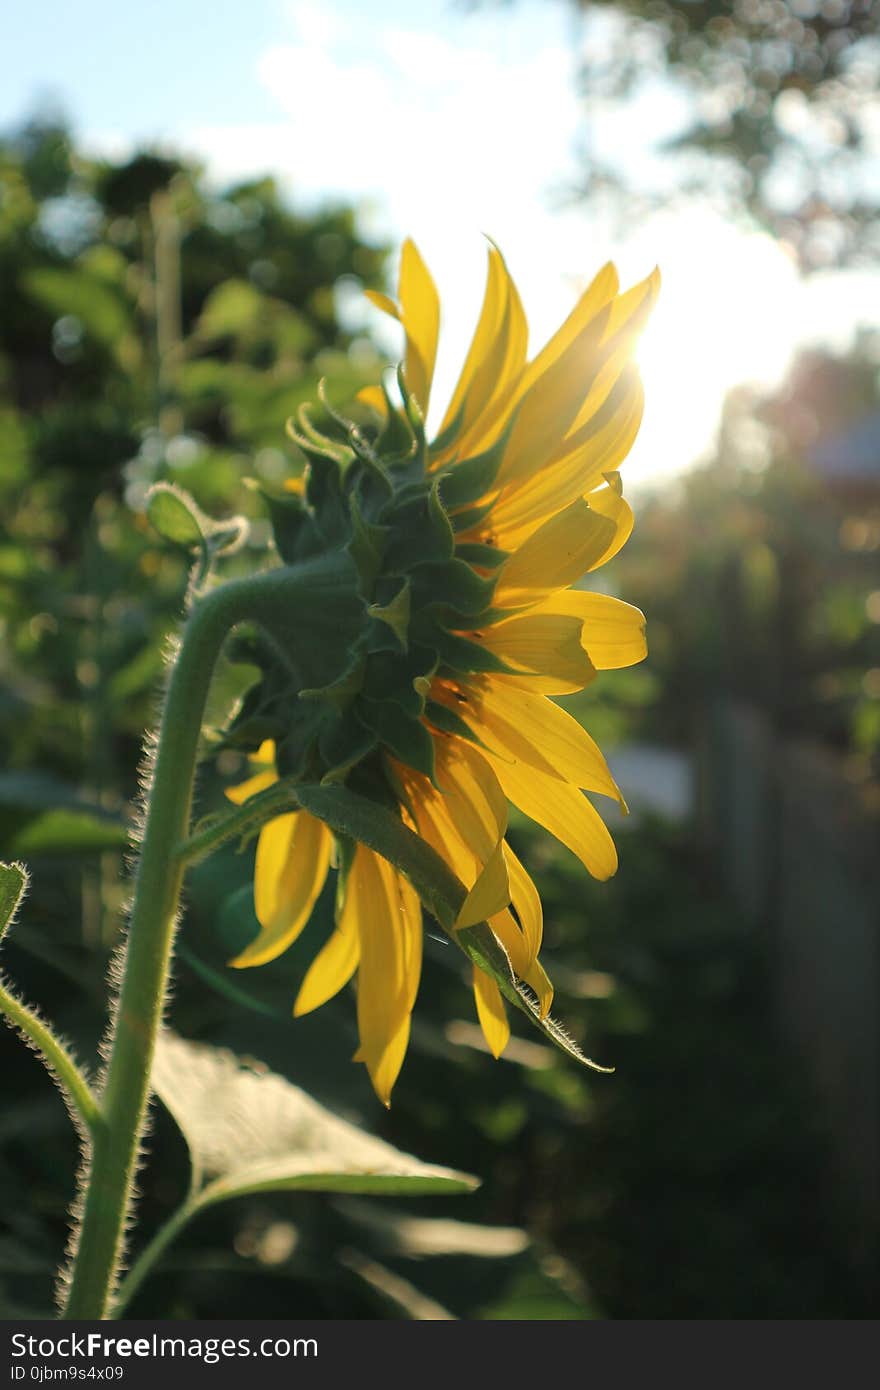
{"points": [[250, 1130]]}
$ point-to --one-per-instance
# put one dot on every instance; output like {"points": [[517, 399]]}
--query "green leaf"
{"points": [[40, 814], [439, 889], [68, 830], [13, 882], [249, 1130]]}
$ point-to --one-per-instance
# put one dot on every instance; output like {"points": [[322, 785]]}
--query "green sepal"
{"points": [[415, 419], [309, 438], [395, 614], [342, 690], [367, 545], [420, 532], [392, 676], [293, 528], [445, 437], [464, 483], [454, 585], [342, 743], [448, 721], [396, 443], [472, 516], [313, 441], [487, 557], [327, 500], [405, 736], [464, 655]]}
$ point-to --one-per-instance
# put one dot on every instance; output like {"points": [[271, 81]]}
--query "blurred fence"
{"points": [[799, 851]]}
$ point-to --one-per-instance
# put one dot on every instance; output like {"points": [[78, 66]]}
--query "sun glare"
{"points": [[726, 315]]}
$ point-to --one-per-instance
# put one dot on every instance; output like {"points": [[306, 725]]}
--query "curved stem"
{"points": [[59, 1060], [277, 599], [152, 1252], [98, 1247]]}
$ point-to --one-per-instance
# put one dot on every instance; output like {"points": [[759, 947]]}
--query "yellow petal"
{"points": [[474, 800], [613, 632], [549, 409], [538, 980], [490, 1012], [334, 964], [561, 809], [420, 314], [545, 647], [526, 900], [262, 764], [390, 956], [608, 502], [247, 789], [293, 856], [374, 397], [493, 364], [510, 934], [554, 556], [531, 730], [490, 893], [629, 314], [593, 302], [598, 447]]}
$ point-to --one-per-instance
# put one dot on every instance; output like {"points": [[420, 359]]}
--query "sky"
{"points": [[447, 125]]}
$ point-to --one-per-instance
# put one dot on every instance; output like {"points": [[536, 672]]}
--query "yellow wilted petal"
{"points": [[554, 556], [530, 729], [420, 315], [293, 857], [613, 632], [546, 647], [563, 810], [490, 893], [491, 1012]]}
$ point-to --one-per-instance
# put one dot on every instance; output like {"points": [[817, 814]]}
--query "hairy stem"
{"points": [[55, 1054], [274, 599], [151, 1253]]}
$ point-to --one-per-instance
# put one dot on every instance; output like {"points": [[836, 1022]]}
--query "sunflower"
{"points": [[426, 675]]}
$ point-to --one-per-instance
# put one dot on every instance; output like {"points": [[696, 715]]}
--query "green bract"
{"points": [[390, 592]]}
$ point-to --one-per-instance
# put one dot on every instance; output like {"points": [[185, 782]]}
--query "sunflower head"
{"points": [[435, 620]]}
